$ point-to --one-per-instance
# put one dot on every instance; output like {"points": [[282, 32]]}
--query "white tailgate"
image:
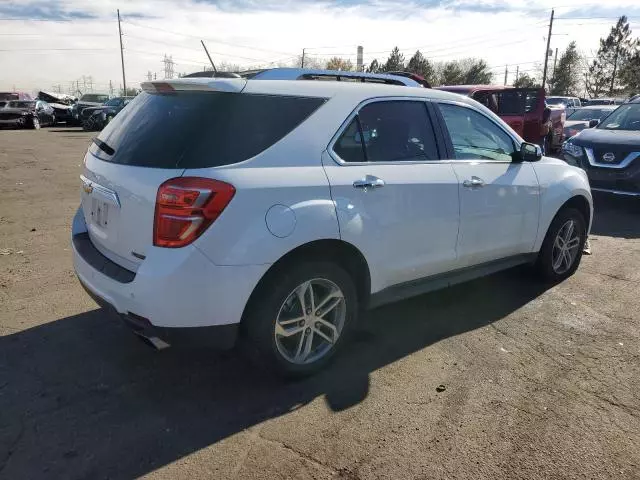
{"points": [[118, 202]]}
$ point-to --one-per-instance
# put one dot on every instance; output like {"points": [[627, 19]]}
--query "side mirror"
{"points": [[594, 123], [530, 152]]}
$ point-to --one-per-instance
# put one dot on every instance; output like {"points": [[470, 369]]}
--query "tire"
{"points": [[278, 301], [53, 120], [547, 262], [35, 123], [86, 126]]}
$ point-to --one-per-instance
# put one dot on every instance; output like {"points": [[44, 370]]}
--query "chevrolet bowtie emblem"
{"points": [[87, 187]]}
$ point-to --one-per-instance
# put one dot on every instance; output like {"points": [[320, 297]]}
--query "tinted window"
{"points": [[474, 136], [200, 129], [588, 114], [94, 97], [391, 131], [349, 146], [22, 104], [508, 102]]}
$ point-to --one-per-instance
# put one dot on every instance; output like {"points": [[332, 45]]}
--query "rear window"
{"points": [[200, 129]]}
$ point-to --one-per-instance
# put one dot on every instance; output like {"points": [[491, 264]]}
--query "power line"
{"points": [[54, 49], [190, 48], [56, 35], [213, 40]]}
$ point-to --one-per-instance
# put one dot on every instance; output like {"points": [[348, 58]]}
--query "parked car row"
{"points": [[92, 111], [26, 114]]}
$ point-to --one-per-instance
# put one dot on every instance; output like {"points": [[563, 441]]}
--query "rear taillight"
{"points": [[185, 207]]}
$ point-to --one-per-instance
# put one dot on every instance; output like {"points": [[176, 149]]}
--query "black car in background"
{"points": [[88, 100], [96, 118], [27, 114], [610, 152]]}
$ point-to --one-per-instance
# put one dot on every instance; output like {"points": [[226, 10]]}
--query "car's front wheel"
{"points": [[561, 250], [300, 317], [35, 123]]}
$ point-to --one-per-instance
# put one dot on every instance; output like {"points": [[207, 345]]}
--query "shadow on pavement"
{"points": [[82, 395], [616, 216]]}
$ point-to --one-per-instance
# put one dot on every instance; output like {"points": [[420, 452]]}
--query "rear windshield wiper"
{"points": [[103, 146]]}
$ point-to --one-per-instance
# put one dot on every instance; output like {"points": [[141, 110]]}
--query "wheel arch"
{"points": [[343, 253], [578, 201]]}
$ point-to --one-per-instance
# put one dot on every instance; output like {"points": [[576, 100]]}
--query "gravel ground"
{"points": [[536, 382]]}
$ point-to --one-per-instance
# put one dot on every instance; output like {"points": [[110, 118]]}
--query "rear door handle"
{"points": [[475, 182], [368, 182]]}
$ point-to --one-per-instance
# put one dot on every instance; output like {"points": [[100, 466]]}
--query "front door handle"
{"points": [[475, 182], [368, 182]]}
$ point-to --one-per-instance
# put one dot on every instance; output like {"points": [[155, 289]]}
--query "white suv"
{"points": [[280, 209]]}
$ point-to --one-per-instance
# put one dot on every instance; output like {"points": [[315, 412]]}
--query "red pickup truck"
{"points": [[521, 108]]}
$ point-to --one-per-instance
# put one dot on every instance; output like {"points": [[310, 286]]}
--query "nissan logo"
{"points": [[608, 157]]}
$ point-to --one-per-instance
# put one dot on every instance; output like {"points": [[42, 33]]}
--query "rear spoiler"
{"points": [[231, 85]]}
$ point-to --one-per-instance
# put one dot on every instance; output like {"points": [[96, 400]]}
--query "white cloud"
{"points": [[510, 34]]}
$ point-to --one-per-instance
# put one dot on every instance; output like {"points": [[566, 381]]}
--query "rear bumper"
{"points": [[172, 288], [220, 336]]}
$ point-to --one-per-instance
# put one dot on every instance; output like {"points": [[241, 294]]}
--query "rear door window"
{"points": [[389, 131], [200, 129]]}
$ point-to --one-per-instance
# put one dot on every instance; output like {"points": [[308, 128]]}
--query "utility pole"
{"points": [[124, 81], [209, 56], [110, 88], [517, 72], [506, 73], [359, 62], [302, 62], [555, 61], [546, 51]]}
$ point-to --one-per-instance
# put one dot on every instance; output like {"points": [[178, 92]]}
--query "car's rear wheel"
{"points": [[561, 250], [300, 318]]}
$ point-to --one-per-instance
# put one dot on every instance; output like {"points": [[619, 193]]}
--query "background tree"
{"points": [[395, 62], [630, 73], [613, 52], [468, 71], [131, 92], [525, 81], [309, 62], [374, 66], [421, 66], [475, 71], [337, 63], [566, 75], [451, 74]]}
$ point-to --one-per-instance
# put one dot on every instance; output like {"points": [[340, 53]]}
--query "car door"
{"points": [[499, 195], [395, 200]]}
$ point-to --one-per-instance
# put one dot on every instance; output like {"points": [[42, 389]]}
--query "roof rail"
{"points": [[331, 75]]}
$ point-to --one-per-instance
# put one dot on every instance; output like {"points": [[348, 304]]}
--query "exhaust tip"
{"points": [[154, 342]]}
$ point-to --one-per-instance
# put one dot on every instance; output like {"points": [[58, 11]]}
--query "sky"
{"points": [[56, 43]]}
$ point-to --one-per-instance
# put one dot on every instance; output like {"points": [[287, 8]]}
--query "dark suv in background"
{"points": [[610, 152]]}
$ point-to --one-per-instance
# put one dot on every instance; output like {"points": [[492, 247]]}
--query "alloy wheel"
{"points": [[565, 247], [310, 321]]}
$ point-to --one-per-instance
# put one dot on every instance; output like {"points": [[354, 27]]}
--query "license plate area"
{"points": [[99, 213]]}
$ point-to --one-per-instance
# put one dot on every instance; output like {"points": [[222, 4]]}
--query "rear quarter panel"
{"points": [[559, 182], [303, 209]]}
